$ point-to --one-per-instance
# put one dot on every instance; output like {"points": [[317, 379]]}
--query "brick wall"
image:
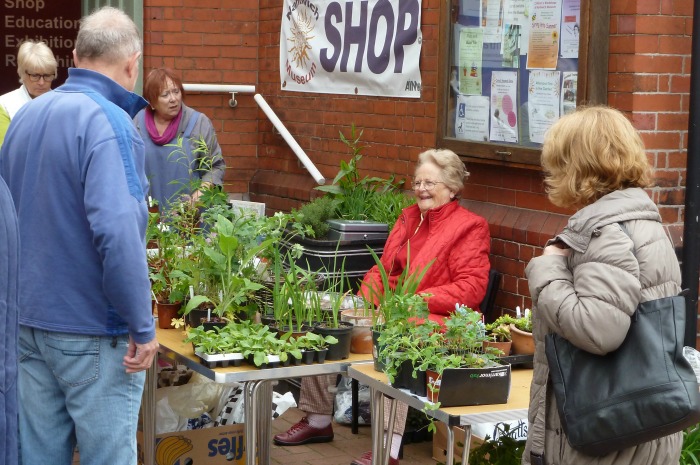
{"points": [[237, 42], [649, 78], [212, 42]]}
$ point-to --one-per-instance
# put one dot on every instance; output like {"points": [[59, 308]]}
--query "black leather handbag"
{"points": [[642, 391]]}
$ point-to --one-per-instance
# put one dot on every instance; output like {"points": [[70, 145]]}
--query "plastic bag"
{"points": [[693, 356], [343, 403], [199, 396], [232, 408]]}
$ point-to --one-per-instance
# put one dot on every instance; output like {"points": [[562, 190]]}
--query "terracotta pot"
{"points": [[361, 339], [503, 347], [166, 313], [523, 342]]}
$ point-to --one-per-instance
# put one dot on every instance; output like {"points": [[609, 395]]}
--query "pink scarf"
{"points": [[169, 133]]}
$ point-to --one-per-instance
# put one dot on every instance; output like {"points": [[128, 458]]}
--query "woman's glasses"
{"points": [[38, 77], [427, 185]]}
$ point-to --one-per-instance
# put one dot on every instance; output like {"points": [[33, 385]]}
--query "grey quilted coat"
{"points": [[588, 298]]}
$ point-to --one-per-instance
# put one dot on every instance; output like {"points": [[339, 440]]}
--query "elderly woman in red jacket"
{"points": [[436, 227]]}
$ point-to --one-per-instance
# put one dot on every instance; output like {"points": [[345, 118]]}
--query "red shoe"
{"points": [[366, 459], [304, 433]]}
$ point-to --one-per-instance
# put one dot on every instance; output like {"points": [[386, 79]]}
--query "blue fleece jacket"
{"points": [[9, 268], [75, 167]]}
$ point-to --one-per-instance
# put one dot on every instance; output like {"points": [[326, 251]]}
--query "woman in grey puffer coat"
{"points": [[612, 255]]}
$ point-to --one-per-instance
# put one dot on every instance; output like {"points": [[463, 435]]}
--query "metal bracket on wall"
{"points": [[226, 88]]}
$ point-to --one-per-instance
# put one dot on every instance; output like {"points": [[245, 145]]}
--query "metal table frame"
{"points": [[257, 390], [515, 409]]}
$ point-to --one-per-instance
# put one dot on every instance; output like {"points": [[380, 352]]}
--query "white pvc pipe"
{"points": [[301, 155], [246, 89]]}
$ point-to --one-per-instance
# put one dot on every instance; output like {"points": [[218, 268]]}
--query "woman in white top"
{"points": [[36, 66]]}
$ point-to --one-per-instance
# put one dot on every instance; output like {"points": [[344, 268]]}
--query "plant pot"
{"points": [[307, 356], [361, 337], [340, 350], [502, 347], [523, 342], [296, 332], [469, 386], [378, 364], [166, 313], [221, 360], [405, 380], [321, 355], [268, 319]]}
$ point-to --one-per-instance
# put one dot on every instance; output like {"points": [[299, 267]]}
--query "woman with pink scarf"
{"points": [[183, 156]]}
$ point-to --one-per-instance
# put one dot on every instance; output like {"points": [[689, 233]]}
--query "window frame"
{"points": [[591, 84]]}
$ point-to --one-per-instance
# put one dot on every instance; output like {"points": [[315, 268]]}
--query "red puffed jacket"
{"points": [[458, 240]]}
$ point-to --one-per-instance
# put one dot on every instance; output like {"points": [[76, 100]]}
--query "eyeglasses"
{"points": [[37, 77], [427, 185]]}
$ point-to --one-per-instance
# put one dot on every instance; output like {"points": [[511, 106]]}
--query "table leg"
{"points": [[389, 434], [467, 444], [262, 398], [148, 409], [258, 426], [250, 416], [355, 405], [450, 452], [377, 406]]}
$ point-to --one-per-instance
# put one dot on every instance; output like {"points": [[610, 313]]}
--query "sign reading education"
{"points": [[358, 47], [54, 22]]}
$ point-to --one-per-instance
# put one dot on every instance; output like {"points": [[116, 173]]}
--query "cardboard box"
{"points": [[440, 442], [224, 445]]}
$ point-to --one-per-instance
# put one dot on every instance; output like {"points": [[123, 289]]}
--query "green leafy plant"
{"points": [[315, 341], [168, 262], [505, 450], [387, 304], [690, 452], [314, 214], [354, 197], [211, 195], [524, 323]]}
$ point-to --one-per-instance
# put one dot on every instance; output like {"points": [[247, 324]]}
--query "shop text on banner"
{"points": [[358, 47]]}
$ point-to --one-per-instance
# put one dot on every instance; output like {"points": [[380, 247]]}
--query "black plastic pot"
{"points": [[378, 364], [321, 355], [405, 380], [340, 350], [307, 356]]}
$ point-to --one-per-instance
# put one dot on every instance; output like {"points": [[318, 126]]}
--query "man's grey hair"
{"points": [[107, 34]]}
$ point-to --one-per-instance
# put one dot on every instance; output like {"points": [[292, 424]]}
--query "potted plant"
{"points": [[169, 260], [465, 367], [319, 344], [333, 300], [499, 339], [504, 450], [362, 211], [521, 333], [228, 266], [217, 347]]}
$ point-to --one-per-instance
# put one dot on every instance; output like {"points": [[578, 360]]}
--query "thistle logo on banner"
{"points": [[358, 47]]}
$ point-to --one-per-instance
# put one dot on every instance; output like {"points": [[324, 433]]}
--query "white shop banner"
{"points": [[357, 47]]}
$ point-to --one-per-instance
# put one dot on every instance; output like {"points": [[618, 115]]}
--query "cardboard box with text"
{"points": [[223, 445]]}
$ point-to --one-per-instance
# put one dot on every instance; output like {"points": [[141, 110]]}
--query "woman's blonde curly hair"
{"points": [[590, 153]]}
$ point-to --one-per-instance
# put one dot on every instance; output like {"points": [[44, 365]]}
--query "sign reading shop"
{"points": [[359, 47]]}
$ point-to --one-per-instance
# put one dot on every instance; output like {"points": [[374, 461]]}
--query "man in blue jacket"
{"points": [[9, 267], [75, 167]]}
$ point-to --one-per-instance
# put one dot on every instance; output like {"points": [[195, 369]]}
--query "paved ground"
{"points": [[341, 450], [345, 447]]}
